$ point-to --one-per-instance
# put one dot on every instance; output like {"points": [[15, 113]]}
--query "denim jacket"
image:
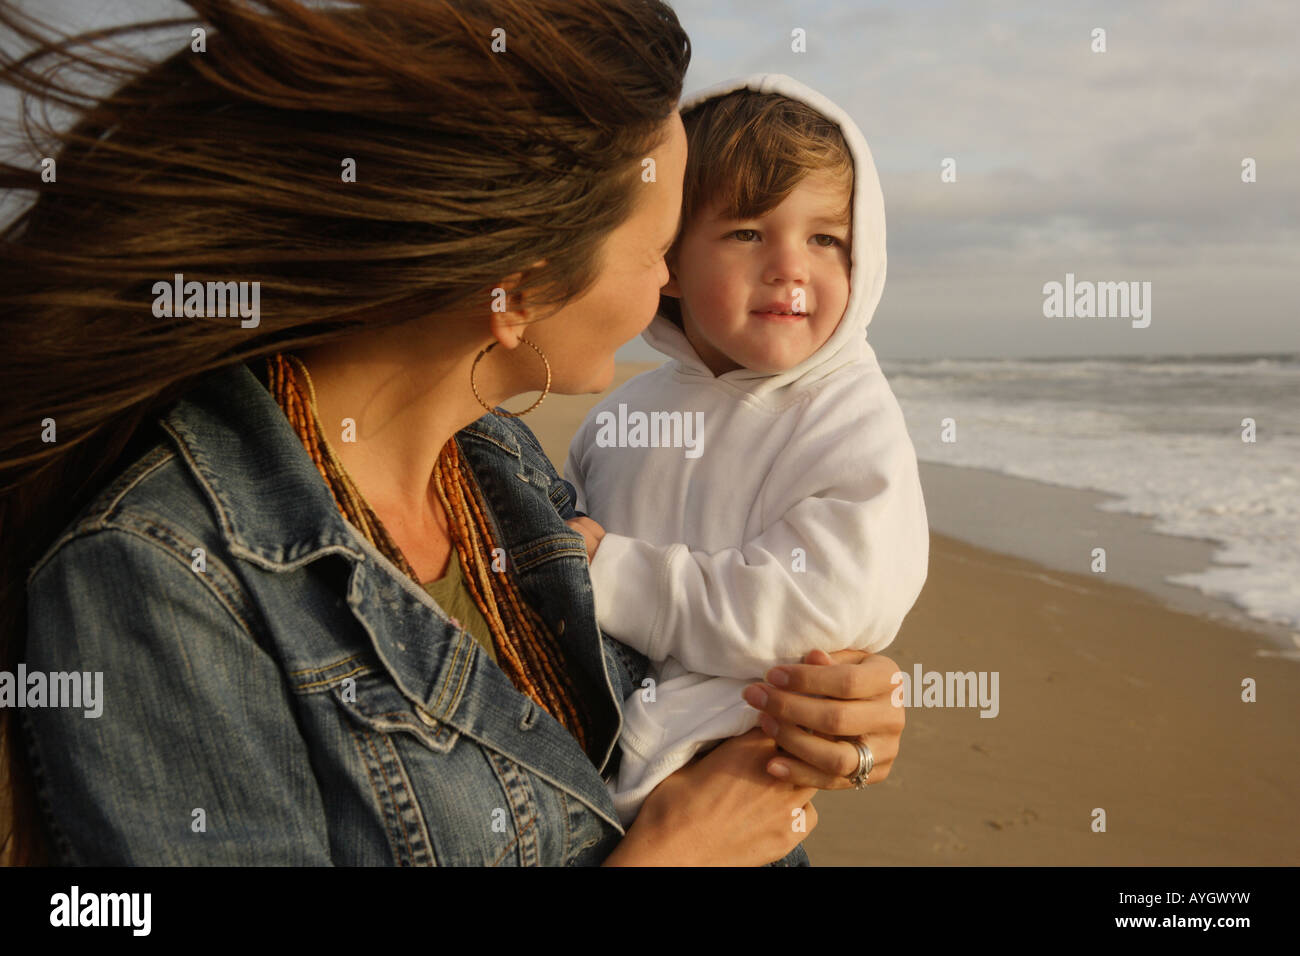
{"points": [[275, 691]]}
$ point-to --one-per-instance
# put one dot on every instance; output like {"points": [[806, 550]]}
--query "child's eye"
{"points": [[742, 233], [833, 241]]}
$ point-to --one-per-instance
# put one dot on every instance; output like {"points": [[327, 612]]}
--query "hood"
{"points": [[867, 271]]}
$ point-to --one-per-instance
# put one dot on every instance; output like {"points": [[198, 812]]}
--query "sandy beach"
{"points": [[1109, 697]]}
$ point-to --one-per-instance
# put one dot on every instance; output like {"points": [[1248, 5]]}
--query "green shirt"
{"points": [[451, 594]]}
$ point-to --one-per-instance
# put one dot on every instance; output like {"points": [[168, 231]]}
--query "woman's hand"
{"points": [[591, 533], [827, 702], [721, 809]]}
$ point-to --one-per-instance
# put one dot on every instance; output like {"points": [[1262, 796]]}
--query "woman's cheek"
{"points": [[662, 274], [647, 303]]}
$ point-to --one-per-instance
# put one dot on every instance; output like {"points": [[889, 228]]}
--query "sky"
{"points": [[1122, 166]]}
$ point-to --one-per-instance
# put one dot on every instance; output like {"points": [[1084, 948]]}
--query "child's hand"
{"points": [[591, 533]]}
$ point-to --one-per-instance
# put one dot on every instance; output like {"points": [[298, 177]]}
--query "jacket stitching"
{"points": [[221, 580], [208, 584], [542, 774], [519, 832], [451, 674], [363, 751], [404, 721], [331, 681], [470, 648], [524, 434], [404, 802], [514, 784], [542, 543], [564, 813], [516, 452], [524, 799], [492, 439], [568, 553], [397, 826], [146, 467], [328, 667], [95, 520], [528, 439], [183, 449]]}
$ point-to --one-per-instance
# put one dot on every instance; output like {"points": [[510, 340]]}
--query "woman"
{"points": [[330, 600]]}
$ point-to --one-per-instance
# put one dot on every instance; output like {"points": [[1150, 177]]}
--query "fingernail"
{"points": [[778, 677], [769, 725], [755, 696], [778, 770]]}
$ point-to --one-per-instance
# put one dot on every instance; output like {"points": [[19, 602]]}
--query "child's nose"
{"points": [[787, 262]]}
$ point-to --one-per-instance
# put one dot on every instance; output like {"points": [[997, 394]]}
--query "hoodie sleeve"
{"points": [[840, 567]]}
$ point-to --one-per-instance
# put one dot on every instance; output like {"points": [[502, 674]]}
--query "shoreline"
{"points": [[966, 503]]}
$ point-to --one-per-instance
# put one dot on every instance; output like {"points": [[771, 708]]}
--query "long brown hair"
{"points": [[472, 162]]}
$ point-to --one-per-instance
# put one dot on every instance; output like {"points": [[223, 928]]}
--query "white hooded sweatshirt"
{"points": [[792, 520]]}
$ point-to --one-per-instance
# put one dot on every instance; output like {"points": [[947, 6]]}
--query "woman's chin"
{"points": [[602, 379], [589, 381]]}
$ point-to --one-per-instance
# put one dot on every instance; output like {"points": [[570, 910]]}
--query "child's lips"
{"points": [[779, 316]]}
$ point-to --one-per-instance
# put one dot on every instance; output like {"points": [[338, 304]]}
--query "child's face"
{"points": [[731, 273]]}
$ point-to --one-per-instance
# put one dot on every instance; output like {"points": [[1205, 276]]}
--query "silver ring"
{"points": [[865, 762]]}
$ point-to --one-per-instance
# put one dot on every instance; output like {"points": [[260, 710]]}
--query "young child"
{"points": [[759, 494]]}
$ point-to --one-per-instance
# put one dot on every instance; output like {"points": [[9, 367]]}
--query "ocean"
{"points": [[1164, 434]]}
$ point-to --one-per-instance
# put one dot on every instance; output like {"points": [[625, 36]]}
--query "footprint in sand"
{"points": [[1027, 816], [948, 840]]}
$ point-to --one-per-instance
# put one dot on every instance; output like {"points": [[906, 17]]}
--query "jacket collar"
{"points": [[272, 506]]}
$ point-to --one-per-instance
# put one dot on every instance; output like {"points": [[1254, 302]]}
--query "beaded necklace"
{"points": [[526, 650]]}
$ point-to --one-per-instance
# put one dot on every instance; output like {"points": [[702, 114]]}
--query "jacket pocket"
{"points": [[440, 796], [397, 745]]}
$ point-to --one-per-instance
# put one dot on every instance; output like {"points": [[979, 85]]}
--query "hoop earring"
{"points": [[547, 389]]}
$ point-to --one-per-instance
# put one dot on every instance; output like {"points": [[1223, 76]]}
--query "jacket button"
{"points": [[426, 717], [529, 718], [559, 628]]}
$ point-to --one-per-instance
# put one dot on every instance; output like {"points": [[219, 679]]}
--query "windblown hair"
{"points": [[223, 161], [746, 152]]}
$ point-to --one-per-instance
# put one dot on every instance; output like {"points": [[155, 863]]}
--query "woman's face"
{"points": [[580, 340]]}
